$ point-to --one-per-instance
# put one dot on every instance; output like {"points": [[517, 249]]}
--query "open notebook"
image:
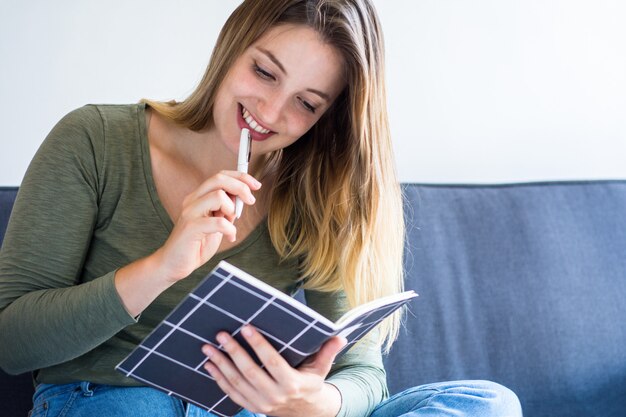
{"points": [[170, 358]]}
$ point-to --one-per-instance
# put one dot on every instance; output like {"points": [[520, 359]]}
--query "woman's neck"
{"points": [[201, 152]]}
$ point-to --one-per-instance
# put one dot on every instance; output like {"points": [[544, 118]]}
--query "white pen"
{"points": [[245, 141]]}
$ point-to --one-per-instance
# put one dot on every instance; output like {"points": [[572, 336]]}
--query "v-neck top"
{"points": [[87, 206], [159, 208]]}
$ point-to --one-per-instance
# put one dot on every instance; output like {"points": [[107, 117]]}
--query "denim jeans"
{"points": [[84, 399], [452, 399]]}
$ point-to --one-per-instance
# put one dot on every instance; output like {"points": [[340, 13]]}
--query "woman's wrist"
{"points": [[328, 401], [140, 282]]}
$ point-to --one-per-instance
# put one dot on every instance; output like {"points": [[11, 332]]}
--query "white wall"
{"points": [[479, 91]]}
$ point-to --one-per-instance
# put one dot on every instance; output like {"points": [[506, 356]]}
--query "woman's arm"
{"points": [[45, 316]]}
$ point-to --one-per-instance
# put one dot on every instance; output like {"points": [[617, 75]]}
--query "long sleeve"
{"points": [[48, 314], [358, 374]]}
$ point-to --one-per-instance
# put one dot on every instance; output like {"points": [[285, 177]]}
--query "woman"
{"points": [[125, 208]]}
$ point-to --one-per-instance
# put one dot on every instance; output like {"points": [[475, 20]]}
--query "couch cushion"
{"points": [[521, 284]]}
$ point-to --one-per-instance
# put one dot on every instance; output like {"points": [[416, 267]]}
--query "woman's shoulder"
{"points": [[87, 135], [100, 127], [102, 116], [94, 120]]}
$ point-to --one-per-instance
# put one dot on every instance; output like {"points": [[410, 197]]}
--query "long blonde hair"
{"points": [[336, 204]]}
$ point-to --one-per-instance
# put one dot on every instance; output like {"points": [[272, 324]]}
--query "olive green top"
{"points": [[88, 206]]}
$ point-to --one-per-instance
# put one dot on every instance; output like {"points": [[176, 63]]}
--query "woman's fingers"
{"points": [[233, 182], [211, 225], [275, 364], [206, 216], [216, 195], [226, 386], [216, 203], [274, 388], [258, 377], [321, 363], [236, 372]]}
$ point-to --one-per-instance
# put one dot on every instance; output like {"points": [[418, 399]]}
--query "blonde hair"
{"points": [[336, 204]]}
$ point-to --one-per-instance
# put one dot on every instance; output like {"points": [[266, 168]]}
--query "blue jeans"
{"points": [[84, 399], [452, 399]]}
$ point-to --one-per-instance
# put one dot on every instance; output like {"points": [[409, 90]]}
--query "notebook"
{"points": [[170, 357]]}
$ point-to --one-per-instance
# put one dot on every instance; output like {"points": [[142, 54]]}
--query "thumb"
{"points": [[321, 362]]}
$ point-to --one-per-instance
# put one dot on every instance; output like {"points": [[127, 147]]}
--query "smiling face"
{"points": [[278, 88]]}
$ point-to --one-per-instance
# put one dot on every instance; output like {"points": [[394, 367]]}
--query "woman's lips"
{"points": [[257, 136]]}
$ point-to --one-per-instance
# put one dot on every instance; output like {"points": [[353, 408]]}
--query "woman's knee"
{"points": [[453, 398], [496, 399]]}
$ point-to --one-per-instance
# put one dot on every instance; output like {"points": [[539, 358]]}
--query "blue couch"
{"points": [[522, 284]]}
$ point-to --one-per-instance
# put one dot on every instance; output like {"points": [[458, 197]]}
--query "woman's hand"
{"points": [[278, 389], [206, 217]]}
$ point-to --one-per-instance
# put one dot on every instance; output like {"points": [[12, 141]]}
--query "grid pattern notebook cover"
{"points": [[170, 358]]}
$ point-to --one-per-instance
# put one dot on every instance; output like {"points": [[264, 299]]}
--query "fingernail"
{"points": [[222, 339], [246, 331], [257, 183], [206, 349], [209, 368]]}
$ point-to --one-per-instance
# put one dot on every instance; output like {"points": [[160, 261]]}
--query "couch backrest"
{"points": [[15, 391], [7, 197], [521, 284]]}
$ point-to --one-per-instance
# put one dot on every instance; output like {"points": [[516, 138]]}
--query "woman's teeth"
{"points": [[253, 124]]}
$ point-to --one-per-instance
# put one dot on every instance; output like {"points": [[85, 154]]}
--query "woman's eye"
{"points": [[308, 106], [262, 73]]}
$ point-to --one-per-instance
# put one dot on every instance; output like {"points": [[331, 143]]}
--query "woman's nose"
{"points": [[271, 109]]}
